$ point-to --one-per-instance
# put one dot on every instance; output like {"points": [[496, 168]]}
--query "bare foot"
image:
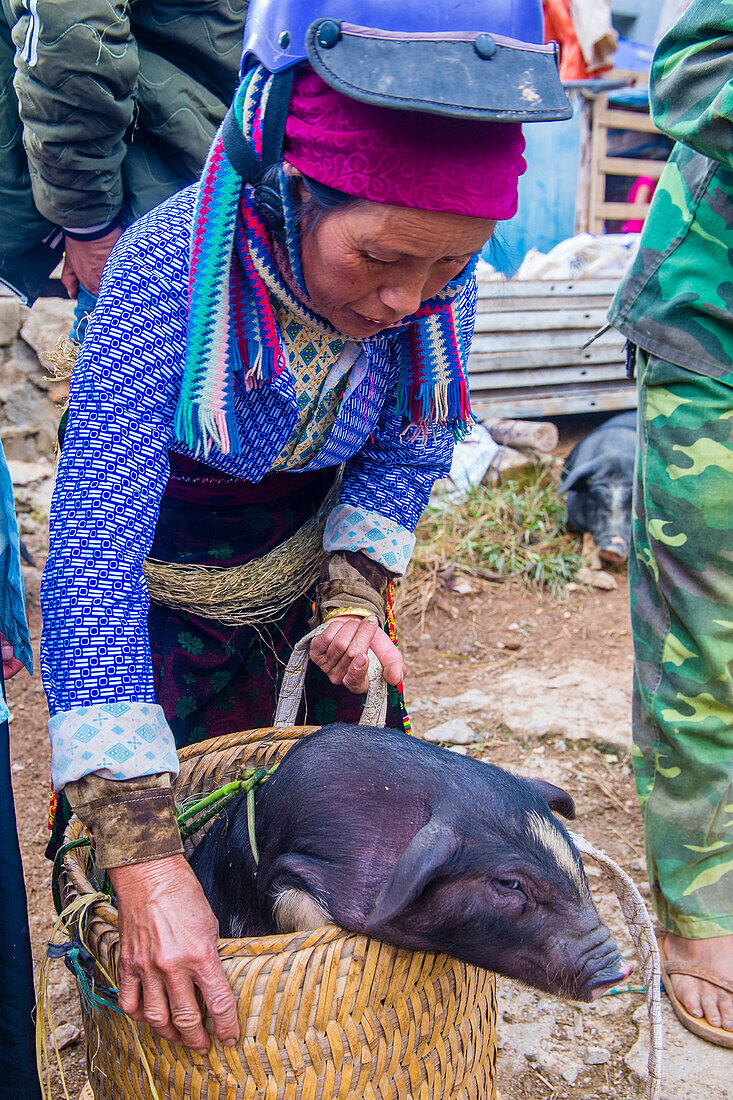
{"points": [[702, 999]]}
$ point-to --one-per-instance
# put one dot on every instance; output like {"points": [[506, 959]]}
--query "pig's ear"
{"points": [[424, 857], [556, 798], [575, 477]]}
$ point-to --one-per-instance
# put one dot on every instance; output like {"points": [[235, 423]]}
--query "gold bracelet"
{"points": [[359, 612]]}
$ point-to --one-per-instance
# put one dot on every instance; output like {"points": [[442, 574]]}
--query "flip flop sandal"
{"points": [[704, 1030]]}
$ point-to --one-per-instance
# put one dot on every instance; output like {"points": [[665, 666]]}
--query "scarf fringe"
{"points": [[200, 428]]}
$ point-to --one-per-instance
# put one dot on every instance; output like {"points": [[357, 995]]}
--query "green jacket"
{"points": [[677, 299], [119, 101], [21, 226]]}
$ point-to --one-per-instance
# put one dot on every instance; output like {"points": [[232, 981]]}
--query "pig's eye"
{"points": [[510, 884]]}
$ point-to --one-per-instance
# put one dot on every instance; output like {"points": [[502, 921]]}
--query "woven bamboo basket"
{"points": [[324, 1015]]}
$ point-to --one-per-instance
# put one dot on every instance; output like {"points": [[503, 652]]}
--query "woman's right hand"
{"points": [[168, 939]]}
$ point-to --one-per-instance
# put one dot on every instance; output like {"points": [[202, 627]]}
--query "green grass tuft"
{"points": [[516, 529]]}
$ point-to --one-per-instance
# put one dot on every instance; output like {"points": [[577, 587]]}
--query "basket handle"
{"points": [[641, 930], [291, 689]]}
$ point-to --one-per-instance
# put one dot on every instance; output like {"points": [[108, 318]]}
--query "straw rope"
{"points": [[61, 358], [76, 912], [641, 930], [256, 592]]}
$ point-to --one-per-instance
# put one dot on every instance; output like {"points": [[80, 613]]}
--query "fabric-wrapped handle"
{"points": [[291, 690], [641, 930]]}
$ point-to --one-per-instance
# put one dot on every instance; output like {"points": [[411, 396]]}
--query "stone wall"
{"points": [[30, 397], [31, 401]]}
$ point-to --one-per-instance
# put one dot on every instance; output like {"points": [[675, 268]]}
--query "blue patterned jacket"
{"points": [[95, 655]]}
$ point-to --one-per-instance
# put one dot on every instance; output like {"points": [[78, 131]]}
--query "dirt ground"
{"points": [[550, 684]]}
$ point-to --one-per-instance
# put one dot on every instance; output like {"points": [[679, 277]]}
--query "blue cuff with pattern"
{"points": [[113, 740], [382, 540]]}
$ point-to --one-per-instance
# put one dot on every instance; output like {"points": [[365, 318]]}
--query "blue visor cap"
{"points": [[436, 56], [476, 76]]}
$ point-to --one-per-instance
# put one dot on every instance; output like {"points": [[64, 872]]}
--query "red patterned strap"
{"points": [[392, 631]]}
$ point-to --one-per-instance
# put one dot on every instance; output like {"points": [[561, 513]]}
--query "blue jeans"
{"points": [[85, 303]]}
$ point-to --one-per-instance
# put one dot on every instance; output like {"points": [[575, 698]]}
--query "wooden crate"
{"points": [[527, 357], [603, 119]]}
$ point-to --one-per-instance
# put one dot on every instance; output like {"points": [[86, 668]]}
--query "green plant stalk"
{"points": [[214, 797], [190, 827], [190, 819], [251, 824]]}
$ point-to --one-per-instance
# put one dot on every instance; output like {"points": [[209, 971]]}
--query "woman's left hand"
{"points": [[341, 651]]}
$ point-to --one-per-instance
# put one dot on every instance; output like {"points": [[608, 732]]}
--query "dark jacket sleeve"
{"points": [[76, 72], [691, 86]]}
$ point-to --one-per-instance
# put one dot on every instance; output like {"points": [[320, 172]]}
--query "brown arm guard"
{"points": [[131, 820], [351, 579]]}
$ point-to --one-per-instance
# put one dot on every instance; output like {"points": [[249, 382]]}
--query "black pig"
{"points": [[387, 835], [598, 477]]}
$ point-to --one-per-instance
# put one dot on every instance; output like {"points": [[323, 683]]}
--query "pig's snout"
{"points": [[600, 968], [602, 984], [614, 549]]}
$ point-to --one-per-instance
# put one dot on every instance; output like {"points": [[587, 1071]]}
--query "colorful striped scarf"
{"points": [[233, 338]]}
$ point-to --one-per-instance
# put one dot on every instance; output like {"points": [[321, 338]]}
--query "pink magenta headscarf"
{"points": [[403, 158]]}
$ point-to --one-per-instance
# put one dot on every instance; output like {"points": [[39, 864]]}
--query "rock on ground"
{"points": [[688, 1061], [582, 702], [30, 397], [454, 732], [579, 702], [596, 1056], [28, 473], [10, 320], [66, 1034], [49, 319], [468, 700]]}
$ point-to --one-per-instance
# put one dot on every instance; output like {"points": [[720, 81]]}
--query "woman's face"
{"points": [[368, 266]]}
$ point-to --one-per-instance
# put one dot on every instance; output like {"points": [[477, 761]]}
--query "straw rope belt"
{"points": [[256, 592]]}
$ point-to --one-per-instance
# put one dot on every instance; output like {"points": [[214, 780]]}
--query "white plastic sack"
{"points": [[584, 256], [471, 459]]}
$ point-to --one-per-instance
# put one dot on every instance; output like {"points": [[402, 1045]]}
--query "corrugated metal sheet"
{"points": [[528, 360]]}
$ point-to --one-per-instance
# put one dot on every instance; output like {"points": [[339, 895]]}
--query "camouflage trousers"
{"points": [[681, 581]]}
